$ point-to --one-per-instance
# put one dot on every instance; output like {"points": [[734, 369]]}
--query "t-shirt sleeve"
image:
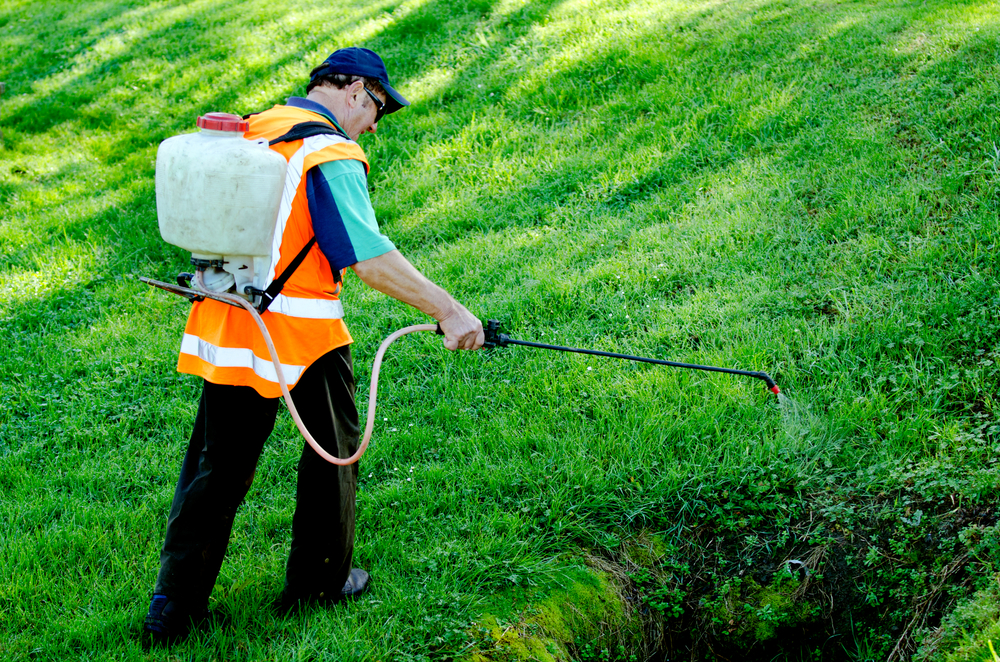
{"points": [[342, 214]]}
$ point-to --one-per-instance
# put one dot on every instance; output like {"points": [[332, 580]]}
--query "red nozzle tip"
{"points": [[775, 390]]}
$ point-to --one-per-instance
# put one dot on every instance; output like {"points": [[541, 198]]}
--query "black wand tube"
{"points": [[496, 339]]}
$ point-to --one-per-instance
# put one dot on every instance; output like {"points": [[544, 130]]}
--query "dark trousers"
{"points": [[232, 424]]}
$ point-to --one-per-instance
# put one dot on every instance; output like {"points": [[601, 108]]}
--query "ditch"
{"points": [[853, 581]]}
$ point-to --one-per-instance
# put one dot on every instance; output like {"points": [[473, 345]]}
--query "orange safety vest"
{"points": [[221, 342]]}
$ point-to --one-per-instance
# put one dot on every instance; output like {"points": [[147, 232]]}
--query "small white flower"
{"points": [[589, 368]]}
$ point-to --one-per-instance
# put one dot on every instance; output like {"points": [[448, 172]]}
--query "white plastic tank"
{"points": [[217, 195]]}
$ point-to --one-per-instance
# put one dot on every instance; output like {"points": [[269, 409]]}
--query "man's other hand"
{"points": [[462, 330]]}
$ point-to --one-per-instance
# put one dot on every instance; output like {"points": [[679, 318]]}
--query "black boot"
{"points": [[169, 621], [357, 583]]}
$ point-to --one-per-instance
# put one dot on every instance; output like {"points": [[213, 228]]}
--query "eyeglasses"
{"points": [[379, 105]]}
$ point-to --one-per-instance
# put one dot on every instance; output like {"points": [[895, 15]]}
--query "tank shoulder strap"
{"points": [[307, 129], [272, 291]]}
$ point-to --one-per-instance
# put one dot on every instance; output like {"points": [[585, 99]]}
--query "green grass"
{"points": [[808, 188]]}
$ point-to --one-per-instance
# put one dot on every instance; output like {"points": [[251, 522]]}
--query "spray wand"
{"points": [[496, 339]]}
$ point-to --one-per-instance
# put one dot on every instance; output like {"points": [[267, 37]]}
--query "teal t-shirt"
{"points": [[342, 214]]}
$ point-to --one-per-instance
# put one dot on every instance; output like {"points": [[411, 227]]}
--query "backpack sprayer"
{"points": [[217, 196]]}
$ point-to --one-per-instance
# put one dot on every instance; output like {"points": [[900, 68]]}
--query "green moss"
{"points": [[647, 551], [551, 618], [746, 611], [588, 609], [778, 608]]}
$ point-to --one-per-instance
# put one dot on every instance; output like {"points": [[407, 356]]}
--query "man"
{"points": [[325, 199]]}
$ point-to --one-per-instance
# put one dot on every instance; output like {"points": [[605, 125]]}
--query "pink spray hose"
{"points": [[376, 366]]}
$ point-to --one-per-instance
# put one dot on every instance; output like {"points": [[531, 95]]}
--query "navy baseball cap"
{"points": [[355, 61]]}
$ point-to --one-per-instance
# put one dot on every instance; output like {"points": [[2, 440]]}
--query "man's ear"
{"points": [[354, 90]]}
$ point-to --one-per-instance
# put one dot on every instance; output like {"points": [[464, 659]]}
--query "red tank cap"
{"points": [[222, 122]]}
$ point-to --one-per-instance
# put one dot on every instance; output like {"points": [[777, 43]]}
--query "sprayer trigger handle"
{"points": [[438, 329]]}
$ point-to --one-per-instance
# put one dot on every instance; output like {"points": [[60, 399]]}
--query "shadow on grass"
{"points": [[624, 70], [645, 150]]}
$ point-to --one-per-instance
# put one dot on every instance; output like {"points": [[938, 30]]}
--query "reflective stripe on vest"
{"points": [[238, 357], [314, 309]]}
